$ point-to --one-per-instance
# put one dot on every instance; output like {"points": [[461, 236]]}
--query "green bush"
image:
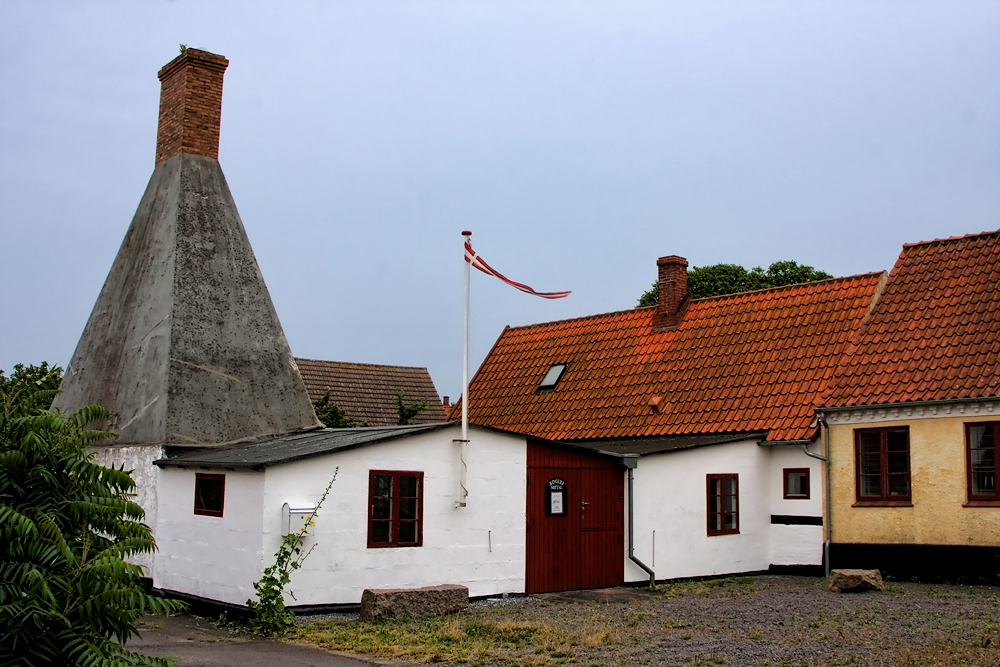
{"points": [[67, 595]]}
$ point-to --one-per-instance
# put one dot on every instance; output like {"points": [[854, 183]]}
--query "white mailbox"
{"points": [[295, 517]]}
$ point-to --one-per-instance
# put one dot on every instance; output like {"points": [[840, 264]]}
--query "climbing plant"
{"points": [[268, 614]]}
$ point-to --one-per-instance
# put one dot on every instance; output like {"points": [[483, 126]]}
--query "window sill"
{"points": [[713, 533], [982, 503], [883, 503]]}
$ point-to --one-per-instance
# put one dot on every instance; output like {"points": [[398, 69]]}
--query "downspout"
{"points": [[829, 510], [630, 463]]}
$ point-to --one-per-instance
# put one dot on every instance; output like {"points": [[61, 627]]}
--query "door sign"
{"points": [[556, 493]]}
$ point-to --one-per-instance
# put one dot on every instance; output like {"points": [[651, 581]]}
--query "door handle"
{"points": [[583, 504]]}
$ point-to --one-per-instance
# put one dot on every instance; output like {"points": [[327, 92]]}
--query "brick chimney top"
{"points": [[190, 105], [673, 295]]}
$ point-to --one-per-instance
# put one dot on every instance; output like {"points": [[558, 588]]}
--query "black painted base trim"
{"points": [[797, 570], [921, 562], [790, 520]]}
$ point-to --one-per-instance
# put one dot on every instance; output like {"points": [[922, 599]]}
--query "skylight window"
{"points": [[551, 378]]}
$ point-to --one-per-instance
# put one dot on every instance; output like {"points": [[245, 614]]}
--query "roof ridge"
{"points": [[358, 363], [870, 274], [950, 239], [581, 317]]}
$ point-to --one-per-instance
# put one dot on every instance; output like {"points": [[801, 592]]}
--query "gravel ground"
{"points": [[773, 621], [785, 621]]}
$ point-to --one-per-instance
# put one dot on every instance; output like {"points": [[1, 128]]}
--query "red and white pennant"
{"points": [[475, 260]]}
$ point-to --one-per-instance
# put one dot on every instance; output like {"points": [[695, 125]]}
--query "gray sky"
{"points": [[579, 141]]}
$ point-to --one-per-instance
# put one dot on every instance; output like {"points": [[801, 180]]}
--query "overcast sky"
{"points": [[579, 141]]}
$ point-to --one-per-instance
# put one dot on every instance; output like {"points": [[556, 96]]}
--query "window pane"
{"points": [[730, 521], [983, 460], [209, 494], [897, 441], [407, 487], [899, 485], [381, 508], [870, 443], [382, 485], [715, 487], [380, 532], [898, 462], [715, 522], [730, 503], [984, 484], [731, 485], [796, 483], [408, 532], [871, 485], [714, 504], [408, 508]]}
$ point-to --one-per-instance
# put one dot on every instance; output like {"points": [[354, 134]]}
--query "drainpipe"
{"points": [[630, 463], [829, 508]]}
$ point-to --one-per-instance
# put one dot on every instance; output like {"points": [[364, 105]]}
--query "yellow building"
{"points": [[909, 423]]}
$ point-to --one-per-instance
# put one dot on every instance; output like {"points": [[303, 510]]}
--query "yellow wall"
{"points": [[938, 484]]}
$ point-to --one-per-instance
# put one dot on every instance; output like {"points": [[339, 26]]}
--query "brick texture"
{"points": [[673, 285], [190, 105]]}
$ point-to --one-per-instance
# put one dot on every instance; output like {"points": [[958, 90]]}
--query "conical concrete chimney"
{"points": [[184, 346]]}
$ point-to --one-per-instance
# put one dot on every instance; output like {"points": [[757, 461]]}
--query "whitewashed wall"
{"points": [[217, 558], [670, 498], [796, 545], [457, 542], [139, 460]]}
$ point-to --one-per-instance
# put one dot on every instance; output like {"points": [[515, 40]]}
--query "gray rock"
{"points": [[413, 602], [852, 581]]}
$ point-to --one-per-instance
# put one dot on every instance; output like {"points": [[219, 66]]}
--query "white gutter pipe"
{"points": [[829, 509], [630, 463]]}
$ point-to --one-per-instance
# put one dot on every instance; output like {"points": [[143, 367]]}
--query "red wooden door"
{"points": [[582, 546]]}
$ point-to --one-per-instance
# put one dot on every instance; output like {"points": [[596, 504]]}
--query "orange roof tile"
{"points": [[368, 391], [756, 361], [935, 333]]}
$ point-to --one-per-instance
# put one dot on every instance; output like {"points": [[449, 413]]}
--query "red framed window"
{"points": [[395, 508], [882, 463], [981, 460], [209, 494], [723, 504], [796, 484]]}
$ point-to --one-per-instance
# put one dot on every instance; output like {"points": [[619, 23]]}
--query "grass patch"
{"points": [[735, 586]]}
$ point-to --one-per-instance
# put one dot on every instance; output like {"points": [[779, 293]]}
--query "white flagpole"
{"points": [[463, 491]]}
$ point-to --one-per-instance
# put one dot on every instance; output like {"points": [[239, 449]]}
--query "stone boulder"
{"points": [[379, 603], [853, 581]]}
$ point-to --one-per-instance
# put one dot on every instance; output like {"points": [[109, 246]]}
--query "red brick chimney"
{"points": [[673, 289], [190, 105]]}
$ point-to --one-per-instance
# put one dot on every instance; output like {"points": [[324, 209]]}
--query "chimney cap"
{"points": [[203, 58], [672, 259]]}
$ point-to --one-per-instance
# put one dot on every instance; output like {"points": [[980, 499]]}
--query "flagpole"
{"points": [[463, 491]]}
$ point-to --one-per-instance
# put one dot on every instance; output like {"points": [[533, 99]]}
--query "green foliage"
{"points": [[332, 415], [719, 279], [27, 380], [67, 595], [407, 412], [268, 613], [184, 47]]}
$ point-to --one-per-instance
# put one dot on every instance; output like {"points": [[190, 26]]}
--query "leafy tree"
{"points": [[408, 411], [332, 415], [27, 380], [720, 279], [67, 595]]}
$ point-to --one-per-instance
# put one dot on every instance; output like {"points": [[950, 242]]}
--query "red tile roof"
{"points": [[935, 333], [756, 361], [368, 391]]}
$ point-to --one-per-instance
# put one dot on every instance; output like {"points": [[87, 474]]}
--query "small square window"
{"points": [[796, 483], [209, 494], [552, 377]]}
